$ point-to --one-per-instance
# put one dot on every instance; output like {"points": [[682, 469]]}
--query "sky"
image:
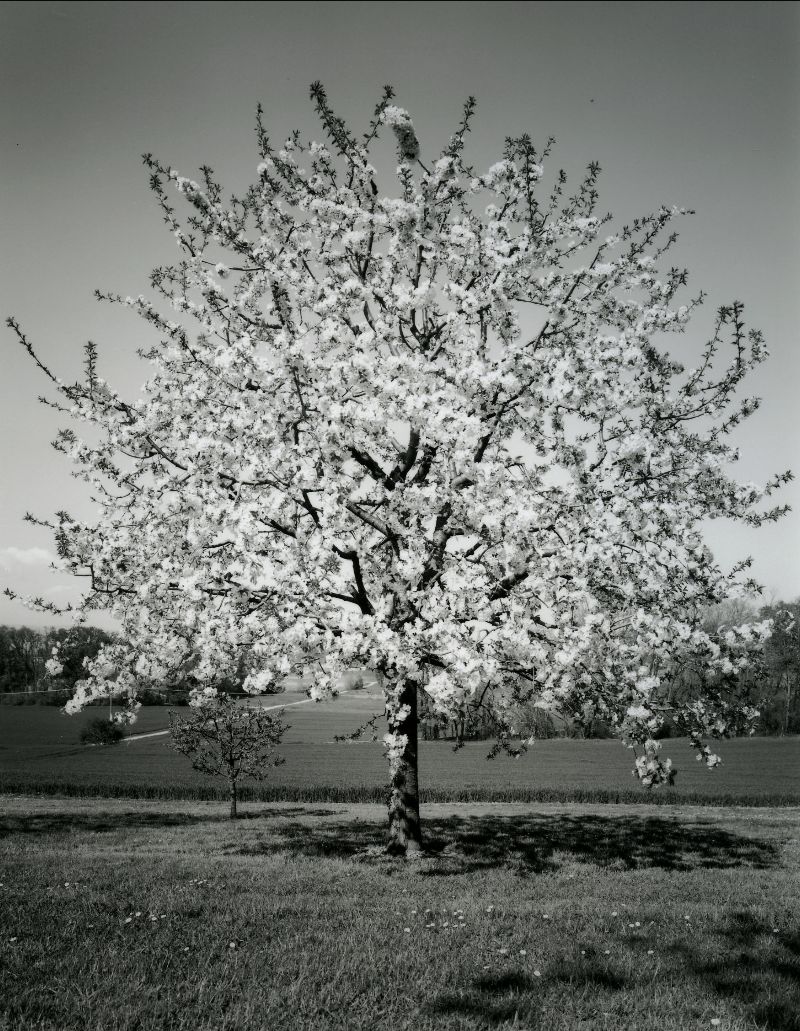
{"points": [[690, 104]]}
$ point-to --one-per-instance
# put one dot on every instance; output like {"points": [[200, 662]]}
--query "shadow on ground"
{"points": [[741, 962], [517, 996], [757, 965], [105, 822], [534, 843], [497, 999], [455, 845]]}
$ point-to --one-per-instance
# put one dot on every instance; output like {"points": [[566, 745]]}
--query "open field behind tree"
{"points": [[40, 750], [130, 914]]}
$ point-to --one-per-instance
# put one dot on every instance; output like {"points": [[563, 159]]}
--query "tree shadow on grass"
{"points": [[536, 843], [491, 999], [107, 822], [513, 995], [542, 842], [748, 962], [455, 845], [740, 963]]}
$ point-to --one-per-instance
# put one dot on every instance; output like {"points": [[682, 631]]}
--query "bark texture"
{"points": [[405, 831]]}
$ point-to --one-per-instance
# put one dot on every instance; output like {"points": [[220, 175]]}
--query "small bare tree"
{"points": [[225, 738]]}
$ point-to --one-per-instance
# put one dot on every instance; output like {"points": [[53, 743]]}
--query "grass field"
{"points": [[40, 750], [144, 915]]}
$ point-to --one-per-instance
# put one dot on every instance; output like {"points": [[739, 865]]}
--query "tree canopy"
{"points": [[432, 429]]}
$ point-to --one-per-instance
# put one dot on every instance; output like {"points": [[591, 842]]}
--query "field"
{"points": [[150, 915], [40, 750]]}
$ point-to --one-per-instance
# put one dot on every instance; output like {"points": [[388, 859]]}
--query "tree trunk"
{"points": [[405, 832], [233, 799], [788, 703]]}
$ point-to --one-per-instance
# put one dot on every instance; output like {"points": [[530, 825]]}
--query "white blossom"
{"points": [[351, 451]]}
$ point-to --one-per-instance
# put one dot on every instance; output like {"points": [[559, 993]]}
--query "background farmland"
{"points": [[40, 750]]}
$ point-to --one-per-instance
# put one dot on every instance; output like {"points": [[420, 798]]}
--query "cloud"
{"points": [[12, 556]]}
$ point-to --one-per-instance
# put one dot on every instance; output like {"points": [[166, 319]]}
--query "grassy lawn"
{"points": [[40, 750], [151, 915]]}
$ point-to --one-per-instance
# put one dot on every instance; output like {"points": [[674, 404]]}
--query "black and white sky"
{"points": [[690, 104]]}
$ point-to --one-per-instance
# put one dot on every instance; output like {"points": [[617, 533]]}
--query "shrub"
{"points": [[100, 731]]}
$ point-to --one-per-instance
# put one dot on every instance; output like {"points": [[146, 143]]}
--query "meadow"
{"points": [[147, 908], [122, 914], [40, 751]]}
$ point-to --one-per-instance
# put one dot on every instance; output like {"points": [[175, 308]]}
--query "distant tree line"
{"points": [[24, 679], [24, 652], [772, 686]]}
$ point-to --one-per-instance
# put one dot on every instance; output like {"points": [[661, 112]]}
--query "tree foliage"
{"points": [[225, 738], [772, 683], [780, 695], [435, 431]]}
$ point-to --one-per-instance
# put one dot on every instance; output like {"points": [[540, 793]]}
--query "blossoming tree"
{"points": [[434, 432]]}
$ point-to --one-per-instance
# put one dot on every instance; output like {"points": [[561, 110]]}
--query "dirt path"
{"points": [[161, 733]]}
